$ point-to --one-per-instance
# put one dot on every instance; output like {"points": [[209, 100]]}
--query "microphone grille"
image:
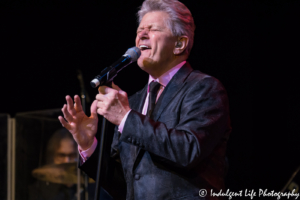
{"points": [[134, 53]]}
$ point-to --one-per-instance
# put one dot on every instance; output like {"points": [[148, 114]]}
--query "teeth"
{"points": [[144, 46]]}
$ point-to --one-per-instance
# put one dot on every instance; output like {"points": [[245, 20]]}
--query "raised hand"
{"points": [[82, 127]]}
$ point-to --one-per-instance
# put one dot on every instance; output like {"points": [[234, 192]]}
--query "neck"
{"points": [[160, 71]]}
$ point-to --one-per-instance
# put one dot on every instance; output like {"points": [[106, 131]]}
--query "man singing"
{"points": [[171, 136]]}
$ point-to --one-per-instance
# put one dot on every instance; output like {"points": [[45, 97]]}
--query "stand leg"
{"points": [[86, 187], [97, 191]]}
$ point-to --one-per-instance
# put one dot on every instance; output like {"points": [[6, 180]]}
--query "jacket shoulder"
{"points": [[197, 77]]}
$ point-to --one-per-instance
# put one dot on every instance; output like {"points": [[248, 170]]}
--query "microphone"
{"points": [[109, 73]]}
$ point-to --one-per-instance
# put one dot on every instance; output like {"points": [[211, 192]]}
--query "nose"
{"points": [[143, 34], [66, 159]]}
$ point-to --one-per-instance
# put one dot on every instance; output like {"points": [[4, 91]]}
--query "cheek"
{"points": [[56, 161], [152, 35], [154, 40], [169, 44], [136, 40]]}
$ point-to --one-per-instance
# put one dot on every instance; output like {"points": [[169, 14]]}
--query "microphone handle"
{"points": [[109, 73]]}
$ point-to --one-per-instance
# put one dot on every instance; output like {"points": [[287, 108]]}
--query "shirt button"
{"points": [[129, 139], [137, 177]]}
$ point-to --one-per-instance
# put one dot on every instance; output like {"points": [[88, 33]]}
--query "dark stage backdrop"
{"points": [[45, 42]]}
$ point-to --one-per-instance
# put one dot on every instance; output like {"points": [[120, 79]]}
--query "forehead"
{"points": [[66, 146], [154, 18]]}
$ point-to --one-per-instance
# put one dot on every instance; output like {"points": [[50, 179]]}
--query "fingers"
{"points": [[102, 111], [123, 94], [115, 87], [102, 89], [78, 106], [102, 105], [100, 97], [120, 91], [63, 122], [70, 105], [94, 109], [66, 113], [105, 90], [110, 94]]}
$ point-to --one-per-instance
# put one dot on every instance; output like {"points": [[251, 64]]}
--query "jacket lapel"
{"points": [[171, 90], [138, 100], [166, 97], [137, 104]]}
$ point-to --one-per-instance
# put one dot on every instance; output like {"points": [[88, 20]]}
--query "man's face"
{"points": [[66, 152], [156, 42]]}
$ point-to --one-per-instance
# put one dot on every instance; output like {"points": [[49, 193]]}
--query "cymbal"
{"points": [[65, 173]]}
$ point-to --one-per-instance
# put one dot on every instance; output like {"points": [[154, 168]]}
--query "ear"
{"points": [[181, 45]]}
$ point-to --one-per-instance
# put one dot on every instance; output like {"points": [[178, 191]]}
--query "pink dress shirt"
{"points": [[163, 80]]}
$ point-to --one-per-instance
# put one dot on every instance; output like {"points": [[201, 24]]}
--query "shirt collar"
{"points": [[167, 76]]}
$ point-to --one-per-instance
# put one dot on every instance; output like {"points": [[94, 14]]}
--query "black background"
{"points": [[251, 47]]}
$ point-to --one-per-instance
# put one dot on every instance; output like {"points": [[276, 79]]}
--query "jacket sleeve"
{"points": [[114, 145], [112, 177], [203, 120]]}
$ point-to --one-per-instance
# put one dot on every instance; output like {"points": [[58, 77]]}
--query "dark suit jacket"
{"points": [[182, 148]]}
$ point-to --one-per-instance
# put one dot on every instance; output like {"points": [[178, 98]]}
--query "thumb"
{"points": [[114, 86], [94, 109], [121, 92]]}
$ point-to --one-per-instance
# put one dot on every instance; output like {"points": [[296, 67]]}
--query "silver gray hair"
{"points": [[180, 20]]}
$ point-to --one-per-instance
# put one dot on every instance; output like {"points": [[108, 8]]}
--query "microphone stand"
{"points": [[106, 78], [108, 82]]}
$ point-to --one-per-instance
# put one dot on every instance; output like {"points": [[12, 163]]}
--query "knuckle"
{"points": [[115, 92], [116, 96], [105, 107], [111, 100], [109, 94], [103, 113]]}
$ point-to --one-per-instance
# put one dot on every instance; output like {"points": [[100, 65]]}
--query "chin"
{"points": [[143, 67], [146, 62], [148, 65], [140, 63]]}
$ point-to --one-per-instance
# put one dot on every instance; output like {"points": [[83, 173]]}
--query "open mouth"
{"points": [[144, 47]]}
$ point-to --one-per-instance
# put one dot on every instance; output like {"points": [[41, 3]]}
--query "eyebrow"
{"points": [[149, 26]]}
